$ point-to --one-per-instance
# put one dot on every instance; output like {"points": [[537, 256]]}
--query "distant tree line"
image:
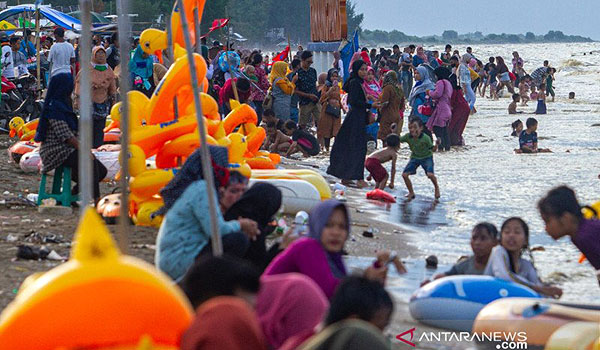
{"points": [[452, 36]]}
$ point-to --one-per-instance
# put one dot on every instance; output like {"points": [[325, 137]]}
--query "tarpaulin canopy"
{"points": [[57, 17]]}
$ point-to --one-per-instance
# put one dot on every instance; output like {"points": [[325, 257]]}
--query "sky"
{"points": [[572, 17]]}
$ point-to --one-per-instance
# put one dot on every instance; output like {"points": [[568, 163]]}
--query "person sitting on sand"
{"points": [[301, 140], [319, 256], [528, 140], [276, 141], [484, 238], [563, 217], [506, 263], [374, 162], [512, 107], [421, 147]]}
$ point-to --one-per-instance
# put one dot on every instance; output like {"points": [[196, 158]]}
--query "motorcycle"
{"points": [[19, 98]]}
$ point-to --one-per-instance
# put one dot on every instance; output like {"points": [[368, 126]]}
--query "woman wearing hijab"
{"points": [[319, 256], [260, 203], [464, 76], [282, 90], [460, 114], [392, 110], [441, 95], [104, 90], [503, 76], [185, 232], [420, 57], [57, 132], [355, 57], [417, 95], [141, 68], [289, 307], [349, 150], [224, 323], [330, 119]]}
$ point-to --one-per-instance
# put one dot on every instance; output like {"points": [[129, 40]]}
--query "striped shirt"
{"points": [[55, 149]]}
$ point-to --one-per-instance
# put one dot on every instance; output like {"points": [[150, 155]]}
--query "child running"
{"points": [[421, 147], [562, 215], [374, 161], [506, 262], [528, 140], [512, 107]]}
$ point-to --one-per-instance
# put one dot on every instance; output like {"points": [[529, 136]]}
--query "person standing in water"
{"points": [[350, 146]]}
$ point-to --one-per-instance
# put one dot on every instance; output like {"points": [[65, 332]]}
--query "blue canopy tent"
{"points": [[57, 17]]}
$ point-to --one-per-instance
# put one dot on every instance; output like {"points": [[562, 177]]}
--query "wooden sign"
{"points": [[328, 20]]}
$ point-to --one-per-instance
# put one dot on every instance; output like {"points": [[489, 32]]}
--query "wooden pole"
{"points": [[37, 48], [233, 83], [85, 120], [217, 246], [172, 57], [124, 82], [197, 31]]}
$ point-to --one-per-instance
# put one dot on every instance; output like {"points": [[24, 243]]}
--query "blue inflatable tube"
{"points": [[454, 302]]}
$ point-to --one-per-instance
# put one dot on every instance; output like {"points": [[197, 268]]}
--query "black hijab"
{"points": [[354, 74], [442, 73], [259, 203], [57, 105], [330, 72]]}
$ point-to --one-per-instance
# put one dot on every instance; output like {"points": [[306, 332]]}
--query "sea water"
{"points": [[486, 181]]}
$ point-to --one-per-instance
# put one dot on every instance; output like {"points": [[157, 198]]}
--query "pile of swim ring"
{"points": [[99, 299], [453, 302], [24, 152]]}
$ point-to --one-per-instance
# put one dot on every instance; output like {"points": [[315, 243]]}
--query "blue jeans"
{"points": [[414, 164], [406, 79], [469, 95]]}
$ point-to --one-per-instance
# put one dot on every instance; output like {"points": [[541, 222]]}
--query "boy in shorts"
{"points": [[301, 141], [421, 147], [374, 161]]}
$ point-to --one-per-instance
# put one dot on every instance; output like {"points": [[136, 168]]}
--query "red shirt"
{"points": [[226, 93]]}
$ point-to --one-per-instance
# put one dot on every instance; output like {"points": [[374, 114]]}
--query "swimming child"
{"points": [[528, 141], [563, 217], [506, 263], [484, 238], [374, 161], [512, 107], [524, 91], [421, 147], [541, 99], [301, 141], [517, 127]]}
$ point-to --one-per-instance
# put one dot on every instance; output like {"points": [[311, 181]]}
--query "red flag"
{"points": [[219, 23], [281, 56], [216, 24]]}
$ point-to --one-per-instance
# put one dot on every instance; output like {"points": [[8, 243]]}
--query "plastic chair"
{"points": [[62, 193]]}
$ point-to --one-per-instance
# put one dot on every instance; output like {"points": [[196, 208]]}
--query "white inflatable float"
{"points": [[297, 195], [454, 302], [32, 162]]}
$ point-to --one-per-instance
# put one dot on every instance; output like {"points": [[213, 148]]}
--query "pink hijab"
{"points": [[422, 55], [367, 86], [289, 305]]}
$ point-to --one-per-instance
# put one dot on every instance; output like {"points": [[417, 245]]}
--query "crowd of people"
{"points": [[294, 290]]}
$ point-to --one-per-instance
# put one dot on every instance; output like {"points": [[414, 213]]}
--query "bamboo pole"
{"points": [[85, 120], [37, 48], [217, 246], [124, 81]]}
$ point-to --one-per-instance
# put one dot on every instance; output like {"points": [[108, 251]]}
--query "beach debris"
{"points": [[370, 232], [431, 262], [55, 256], [35, 237], [12, 238], [32, 197], [27, 252], [381, 195], [538, 249]]}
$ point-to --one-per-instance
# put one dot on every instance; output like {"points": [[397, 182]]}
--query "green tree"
{"points": [[355, 19], [530, 36], [450, 35]]}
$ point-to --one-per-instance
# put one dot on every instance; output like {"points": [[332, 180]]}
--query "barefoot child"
{"points": [[276, 141], [374, 161], [524, 91], [421, 148], [512, 107], [562, 215], [517, 127], [301, 141], [541, 100], [528, 141]]}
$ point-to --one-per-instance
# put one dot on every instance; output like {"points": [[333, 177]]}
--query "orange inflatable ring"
{"points": [[260, 163], [181, 147], [239, 115]]}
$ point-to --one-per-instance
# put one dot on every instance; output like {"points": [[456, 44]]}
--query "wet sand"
{"points": [[21, 224]]}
